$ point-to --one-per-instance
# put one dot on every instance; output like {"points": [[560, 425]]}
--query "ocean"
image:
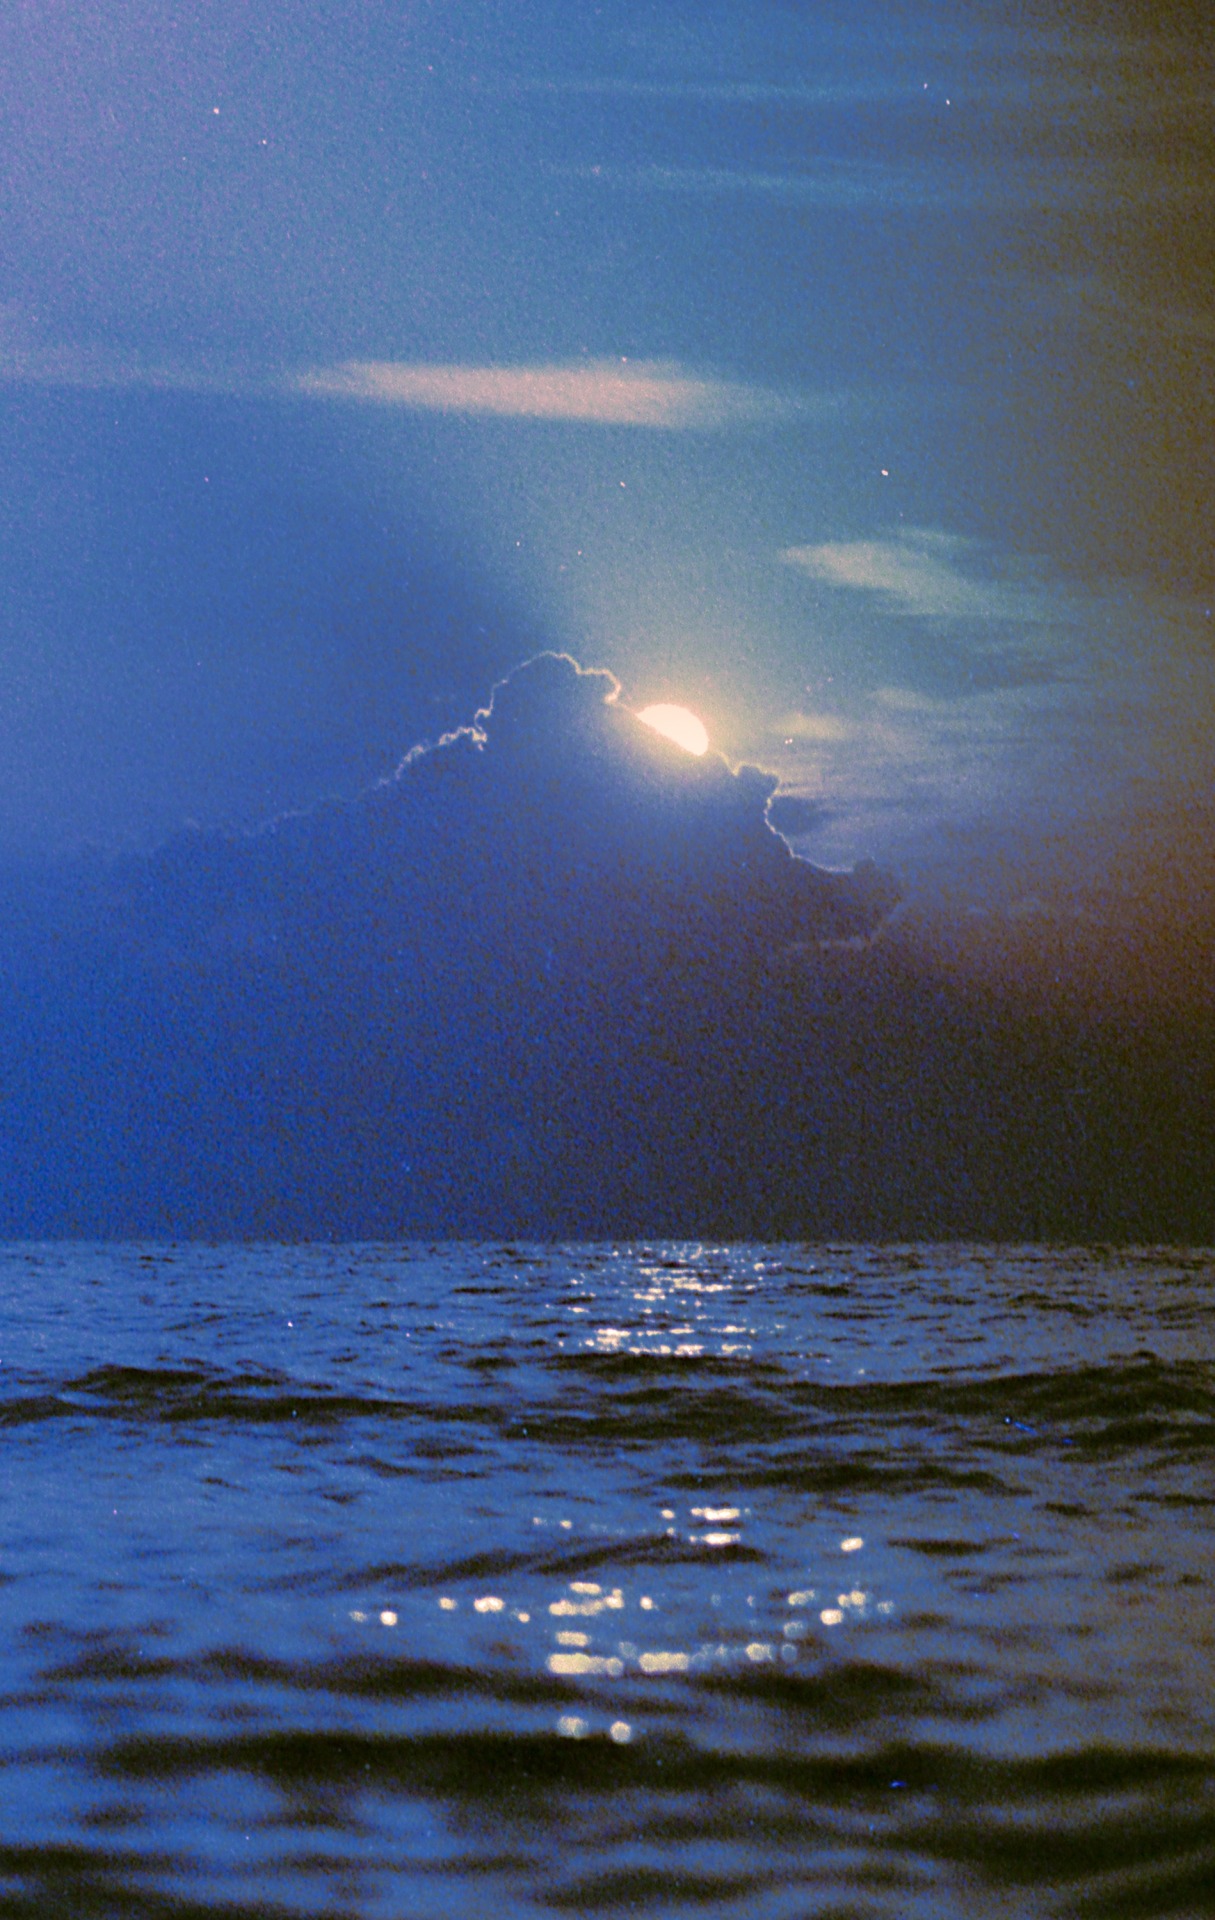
{"points": [[509, 1580]]}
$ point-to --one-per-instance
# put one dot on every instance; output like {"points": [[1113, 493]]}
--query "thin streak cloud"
{"points": [[724, 92], [90, 369], [611, 393], [614, 393], [814, 728], [1036, 185], [831, 183]]}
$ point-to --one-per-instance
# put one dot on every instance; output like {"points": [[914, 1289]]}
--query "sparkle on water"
{"points": [[677, 724], [754, 1571]]}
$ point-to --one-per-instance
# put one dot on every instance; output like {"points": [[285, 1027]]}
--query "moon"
{"points": [[678, 725]]}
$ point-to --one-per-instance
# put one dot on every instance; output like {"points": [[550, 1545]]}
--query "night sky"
{"points": [[843, 374]]}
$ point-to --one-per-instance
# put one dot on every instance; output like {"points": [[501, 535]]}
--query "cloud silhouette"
{"points": [[795, 813], [557, 977], [516, 984]]}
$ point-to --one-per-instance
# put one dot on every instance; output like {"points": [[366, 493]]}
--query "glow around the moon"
{"points": [[677, 724]]}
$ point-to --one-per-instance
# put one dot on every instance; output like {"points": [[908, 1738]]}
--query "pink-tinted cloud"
{"points": [[619, 393]]}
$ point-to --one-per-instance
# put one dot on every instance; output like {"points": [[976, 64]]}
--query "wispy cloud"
{"points": [[1004, 185], [925, 574], [614, 393], [1107, 721], [91, 368], [819, 729], [720, 92], [829, 183], [610, 393]]}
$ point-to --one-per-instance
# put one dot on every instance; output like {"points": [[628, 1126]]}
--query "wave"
{"points": [[1099, 1833], [776, 1428]]}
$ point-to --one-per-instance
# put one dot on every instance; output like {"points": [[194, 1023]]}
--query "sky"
{"points": [[841, 373]]}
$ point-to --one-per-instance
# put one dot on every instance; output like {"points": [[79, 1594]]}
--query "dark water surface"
{"points": [[755, 1581]]}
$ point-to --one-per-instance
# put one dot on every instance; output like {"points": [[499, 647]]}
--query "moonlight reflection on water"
{"points": [[371, 1579]]}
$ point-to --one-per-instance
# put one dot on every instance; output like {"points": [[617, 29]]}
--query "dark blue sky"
{"points": [[842, 373]]}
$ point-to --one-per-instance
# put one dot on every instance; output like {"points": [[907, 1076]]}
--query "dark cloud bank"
{"points": [[557, 977]]}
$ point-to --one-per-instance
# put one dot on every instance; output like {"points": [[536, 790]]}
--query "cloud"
{"points": [[1031, 684], [795, 813], [603, 392], [922, 573], [1007, 185], [514, 984], [868, 88], [995, 70], [558, 978], [830, 183], [820, 728], [610, 393], [91, 368]]}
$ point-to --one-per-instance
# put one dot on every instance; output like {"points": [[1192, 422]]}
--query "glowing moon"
{"points": [[678, 725]]}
